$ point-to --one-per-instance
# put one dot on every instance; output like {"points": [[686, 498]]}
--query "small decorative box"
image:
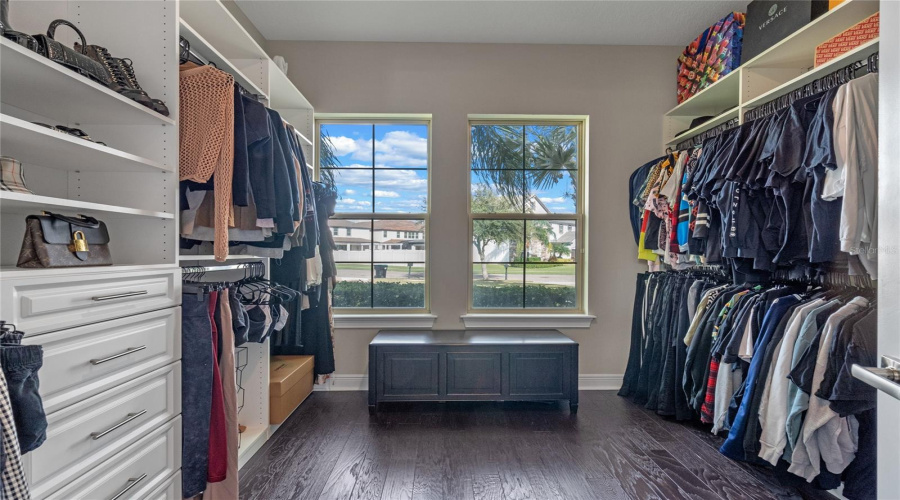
{"points": [[848, 40]]}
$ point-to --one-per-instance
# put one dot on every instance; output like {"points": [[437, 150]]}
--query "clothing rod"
{"points": [[232, 267]]}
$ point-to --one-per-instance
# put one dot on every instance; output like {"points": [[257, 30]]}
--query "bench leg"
{"points": [[372, 409], [573, 407]]}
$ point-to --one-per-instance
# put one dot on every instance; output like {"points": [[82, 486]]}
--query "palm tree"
{"points": [[327, 160], [514, 159]]}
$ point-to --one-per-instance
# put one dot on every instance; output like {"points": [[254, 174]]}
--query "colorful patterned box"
{"points": [[848, 40], [712, 55]]}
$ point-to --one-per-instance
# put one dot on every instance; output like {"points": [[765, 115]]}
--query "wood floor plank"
{"points": [[331, 448]]}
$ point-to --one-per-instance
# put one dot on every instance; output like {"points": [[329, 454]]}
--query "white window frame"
{"points": [[577, 317], [375, 317]]}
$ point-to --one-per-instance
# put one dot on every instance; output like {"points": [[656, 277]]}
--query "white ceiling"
{"points": [[635, 22]]}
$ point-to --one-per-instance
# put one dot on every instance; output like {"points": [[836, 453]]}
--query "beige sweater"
{"points": [[206, 140]]}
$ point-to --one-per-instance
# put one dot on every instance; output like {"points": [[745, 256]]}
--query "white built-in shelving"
{"points": [[208, 51], [39, 85], [217, 35], [786, 66], [25, 204], [34, 144]]}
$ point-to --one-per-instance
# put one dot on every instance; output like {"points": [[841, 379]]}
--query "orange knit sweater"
{"points": [[206, 139]]}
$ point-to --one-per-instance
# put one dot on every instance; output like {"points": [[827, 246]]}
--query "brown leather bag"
{"points": [[53, 240]]}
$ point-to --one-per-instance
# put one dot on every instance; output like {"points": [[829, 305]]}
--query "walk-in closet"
{"points": [[311, 249]]}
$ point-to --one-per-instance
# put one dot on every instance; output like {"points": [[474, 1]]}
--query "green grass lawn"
{"points": [[568, 269]]}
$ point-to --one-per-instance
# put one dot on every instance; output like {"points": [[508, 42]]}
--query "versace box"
{"points": [[769, 22]]}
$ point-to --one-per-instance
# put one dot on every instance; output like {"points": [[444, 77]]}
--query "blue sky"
{"points": [[399, 187], [399, 151]]}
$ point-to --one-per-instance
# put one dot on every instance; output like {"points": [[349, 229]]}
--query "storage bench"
{"points": [[473, 365]]}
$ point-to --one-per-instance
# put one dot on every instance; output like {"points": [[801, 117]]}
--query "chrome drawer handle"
{"points": [[129, 418], [130, 350], [133, 482], [119, 296]]}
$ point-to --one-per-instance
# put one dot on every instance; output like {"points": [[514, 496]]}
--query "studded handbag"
{"points": [[77, 61]]}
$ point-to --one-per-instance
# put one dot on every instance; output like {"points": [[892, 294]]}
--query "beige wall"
{"points": [[625, 90]]}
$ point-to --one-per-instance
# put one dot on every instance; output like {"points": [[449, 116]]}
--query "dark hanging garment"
{"points": [[290, 271], [634, 185], [633, 368], [240, 181]]}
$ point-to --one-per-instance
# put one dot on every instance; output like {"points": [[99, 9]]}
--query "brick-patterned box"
{"points": [[848, 40]]}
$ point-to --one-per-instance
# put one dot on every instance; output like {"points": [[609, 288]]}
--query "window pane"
{"points": [[354, 188], [353, 240], [552, 147], [551, 191], [401, 146], [401, 191], [345, 145], [498, 240], [400, 240], [551, 240], [354, 285], [399, 284], [497, 286], [498, 191], [550, 285], [497, 147]]}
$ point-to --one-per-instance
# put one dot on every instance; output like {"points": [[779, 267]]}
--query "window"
{"points": [[526, 215], [380, 171], [348, 231]]}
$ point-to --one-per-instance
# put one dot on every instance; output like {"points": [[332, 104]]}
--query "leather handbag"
{"points": [[70, 58], [54, 240]]}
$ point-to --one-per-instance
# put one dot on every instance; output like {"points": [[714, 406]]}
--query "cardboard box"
{"points": [[769, 22], [855, 36], [290, 382]]}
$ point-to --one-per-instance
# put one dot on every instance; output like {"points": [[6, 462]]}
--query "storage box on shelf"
{"points": [[786, 65]]}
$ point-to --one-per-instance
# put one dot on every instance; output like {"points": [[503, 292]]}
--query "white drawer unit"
{"points": [[85, 434], [85, 361], [40, 303], [169, 490], [133, 473]]}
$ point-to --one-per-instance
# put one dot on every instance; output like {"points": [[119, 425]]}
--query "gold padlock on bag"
{"points": [[79, 243]]}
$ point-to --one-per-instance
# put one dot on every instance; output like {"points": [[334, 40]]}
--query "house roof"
{"points": [[348, 239], [380, 225], [567, 237]]}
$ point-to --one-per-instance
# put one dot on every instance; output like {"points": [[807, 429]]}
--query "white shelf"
{"points": [[36, 145], [304, 139], [190, 258], [283, 94], [208, 51], [63, 271], [221, 29], [712, 100], [28, 204], [712, 123], [859, 53], [253, 437], [34, 83], [798, 49]]}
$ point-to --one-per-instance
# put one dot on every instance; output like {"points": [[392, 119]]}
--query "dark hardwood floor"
{"points": [[331, 448]]}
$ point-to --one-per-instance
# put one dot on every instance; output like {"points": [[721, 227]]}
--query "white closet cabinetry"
{"points": [[111, 380]]}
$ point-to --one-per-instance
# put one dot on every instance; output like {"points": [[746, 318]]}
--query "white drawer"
{"points": [[82, 362], [43, 303], [169, 490], [83, 435], [142, 468]]}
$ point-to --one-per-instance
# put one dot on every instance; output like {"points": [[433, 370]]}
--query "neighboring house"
{"points": [[562, 233], [393, 240]]}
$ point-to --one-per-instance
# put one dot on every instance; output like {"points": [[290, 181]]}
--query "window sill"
{"points": [[368, 321], [528, 320]]}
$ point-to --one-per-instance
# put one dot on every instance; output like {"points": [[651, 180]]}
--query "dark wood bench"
{"points": [[467, 365]]}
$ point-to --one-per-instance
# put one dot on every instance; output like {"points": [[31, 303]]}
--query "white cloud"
{"points": [[398, 148], [350, 191], [386, 194]]}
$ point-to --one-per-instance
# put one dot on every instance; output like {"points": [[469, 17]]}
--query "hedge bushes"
{"points": [[510, 296], [400, 295], [387, 294]]}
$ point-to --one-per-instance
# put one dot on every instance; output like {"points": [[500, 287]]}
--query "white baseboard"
{"points": [[586, 382]]}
